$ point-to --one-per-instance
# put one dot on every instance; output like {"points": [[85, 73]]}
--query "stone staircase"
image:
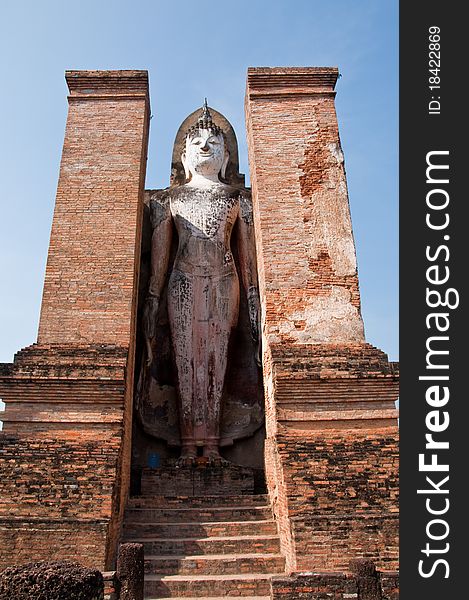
{"points": [[206, 546]]}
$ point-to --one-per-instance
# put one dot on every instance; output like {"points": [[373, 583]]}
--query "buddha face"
{"points": [[205, 154]]}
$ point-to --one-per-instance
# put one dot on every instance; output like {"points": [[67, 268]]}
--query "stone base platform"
{"points": [[201, 479]]}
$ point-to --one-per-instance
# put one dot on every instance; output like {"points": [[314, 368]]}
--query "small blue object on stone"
{"points": [[154, 460]]}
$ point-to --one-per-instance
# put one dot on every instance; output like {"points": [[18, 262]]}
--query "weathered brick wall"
{"points": [[91, 273], [342, 494], [57, 496], [338, 386], [62, 456], [320, 586], [306, 252], [334, 586], [390, 585], [175, 480], [331, 423], [59, 478], [65, 462], [332, 456]]}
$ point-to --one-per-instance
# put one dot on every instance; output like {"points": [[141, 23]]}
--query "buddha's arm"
{"points": [[160, 249], [161, 221], [248, 267]]}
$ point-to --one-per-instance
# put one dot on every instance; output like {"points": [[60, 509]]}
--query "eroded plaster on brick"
{"points": [[322, 319], [325, 202]]}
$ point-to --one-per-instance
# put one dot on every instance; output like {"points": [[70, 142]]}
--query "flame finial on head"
{"points": [[205, 122]]}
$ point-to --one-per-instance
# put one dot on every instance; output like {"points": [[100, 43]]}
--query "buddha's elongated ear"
{"points": [[225, 163], [186, 166]]}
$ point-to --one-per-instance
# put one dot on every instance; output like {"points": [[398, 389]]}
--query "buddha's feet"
{"points": [[214, 457], [188, 456]]}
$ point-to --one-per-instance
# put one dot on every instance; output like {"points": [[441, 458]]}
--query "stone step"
{"points": [[267, 544], [170, 586], [196, 515], [199, 530], [198, 501], [215, 564]]}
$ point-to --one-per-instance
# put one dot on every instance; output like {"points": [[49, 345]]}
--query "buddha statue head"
{"points": [[206, 155]]}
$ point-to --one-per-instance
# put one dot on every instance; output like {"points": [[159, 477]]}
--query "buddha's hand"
{"points": [[257, 354], [255, 321], [150, 312], [149, 358]]}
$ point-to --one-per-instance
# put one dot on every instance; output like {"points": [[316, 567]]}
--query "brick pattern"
{"points": [[65, 458], [331, 423], [306, 254], [60, 387], [331, 454], [62, 458], [60, 482], [111, 585], [333, 586], [91, 274], [319, 387], [320, 586], [342, 497], [331, 461], [175, 481], [339, 474], [390, 585], [25, 540], [332, 360], [57, 478]]}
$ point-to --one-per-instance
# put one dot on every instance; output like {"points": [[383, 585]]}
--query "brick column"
{"points": [[308, 266], [90, 283], [65, 469], [331, 452]]}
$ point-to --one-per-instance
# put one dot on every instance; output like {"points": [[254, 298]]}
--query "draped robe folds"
{"points": [[203, 303]]}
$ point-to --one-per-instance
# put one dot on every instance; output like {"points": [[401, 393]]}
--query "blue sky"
{"points": [[193, 49]]}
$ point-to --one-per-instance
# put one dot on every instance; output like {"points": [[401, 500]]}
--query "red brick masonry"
{"points": [[336, 586], [331, 450], [65, 448]]}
